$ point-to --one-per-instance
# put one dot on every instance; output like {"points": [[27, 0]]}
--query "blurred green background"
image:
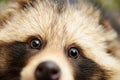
{"points": [[109, 4]]}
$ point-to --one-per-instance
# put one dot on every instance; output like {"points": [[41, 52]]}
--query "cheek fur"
{"points": [[15, 56], [86, 69]]}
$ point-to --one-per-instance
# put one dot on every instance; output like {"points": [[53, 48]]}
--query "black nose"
{"points": [[47, 71]]}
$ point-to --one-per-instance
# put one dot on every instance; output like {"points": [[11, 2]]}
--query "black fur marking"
{"points": [[16, 55], [86, 69]]}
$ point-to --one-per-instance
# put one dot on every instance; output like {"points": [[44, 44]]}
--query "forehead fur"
{"points": [[59, 22], [46, 17]]}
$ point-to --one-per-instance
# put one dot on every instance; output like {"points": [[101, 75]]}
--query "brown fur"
{"points": [[60, 24]]}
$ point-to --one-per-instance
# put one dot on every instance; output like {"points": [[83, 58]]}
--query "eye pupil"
{"points": [[73, 52], [35, 43]]}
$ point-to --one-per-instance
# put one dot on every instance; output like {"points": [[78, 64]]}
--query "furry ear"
{"points": [[109, 32], [112, 39], [9, 9]]}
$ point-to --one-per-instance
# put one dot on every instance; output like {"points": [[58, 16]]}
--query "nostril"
{"points": [[54, 74], [54, 71], [47, 71], [39, 72]]}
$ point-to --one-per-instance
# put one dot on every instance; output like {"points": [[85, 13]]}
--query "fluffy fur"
{"points": [[60, 24]]}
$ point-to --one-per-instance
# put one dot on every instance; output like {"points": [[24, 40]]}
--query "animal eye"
{"points": [[35, 43], [73, 52]]}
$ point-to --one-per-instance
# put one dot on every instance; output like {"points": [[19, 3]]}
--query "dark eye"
{"points": [[73, 52], [35, 43]]}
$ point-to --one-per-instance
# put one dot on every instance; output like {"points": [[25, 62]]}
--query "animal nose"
{"points": [[47, 71]]}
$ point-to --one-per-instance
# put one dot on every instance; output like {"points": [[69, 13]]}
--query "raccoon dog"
{"points": [[56, 40]]}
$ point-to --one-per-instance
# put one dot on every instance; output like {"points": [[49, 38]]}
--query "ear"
{"points": [[9, 9], [112, 39], [109, 32]]}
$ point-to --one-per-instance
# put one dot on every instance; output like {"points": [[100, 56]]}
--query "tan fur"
{"points": [[80, 26], [48, 55]]}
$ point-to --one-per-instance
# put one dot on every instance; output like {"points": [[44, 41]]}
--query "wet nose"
{"points": [[47, 71]]}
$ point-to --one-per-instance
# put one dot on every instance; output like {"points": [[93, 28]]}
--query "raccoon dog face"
{"points": [[55, 40]]}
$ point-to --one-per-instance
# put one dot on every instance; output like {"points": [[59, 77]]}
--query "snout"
{"points": [[48, 66], [47, 71]]}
